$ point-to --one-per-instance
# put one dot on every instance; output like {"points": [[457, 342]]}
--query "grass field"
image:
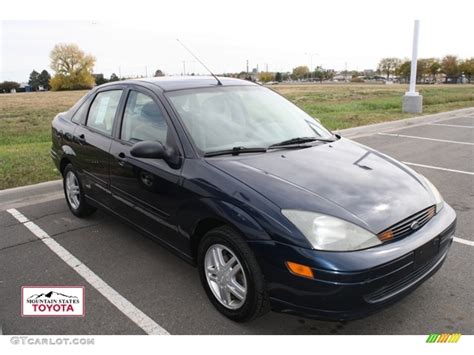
{"points": [[25, 119], [349, 105]]}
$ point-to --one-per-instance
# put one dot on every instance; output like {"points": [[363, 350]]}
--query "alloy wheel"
{"points": [[225, 276], [72, 190]]}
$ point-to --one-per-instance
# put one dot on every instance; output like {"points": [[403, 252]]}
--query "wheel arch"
{"points": [[63, 163], [224, 214]]}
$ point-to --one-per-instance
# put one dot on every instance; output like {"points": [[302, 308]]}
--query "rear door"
{"points": [[92, 141]]}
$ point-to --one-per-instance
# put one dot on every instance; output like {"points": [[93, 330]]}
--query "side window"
{"points": [[103, 109], [80, 115], [143, 120]]}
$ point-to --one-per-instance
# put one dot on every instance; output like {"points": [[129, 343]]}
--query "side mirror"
{"points": [[148, 149], [156, 150]]}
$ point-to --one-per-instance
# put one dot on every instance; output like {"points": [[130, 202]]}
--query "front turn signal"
{"points": [[300, 270]]}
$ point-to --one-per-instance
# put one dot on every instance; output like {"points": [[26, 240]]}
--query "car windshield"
{"points": [[222, 118]]}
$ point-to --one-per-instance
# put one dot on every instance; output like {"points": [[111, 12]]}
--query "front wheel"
{"points": [[231, 275], [74, 193]]}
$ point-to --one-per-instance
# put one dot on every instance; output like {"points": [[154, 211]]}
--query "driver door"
{"points": [[147, 192]]}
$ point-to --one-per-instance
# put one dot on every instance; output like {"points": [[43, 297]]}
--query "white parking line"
{"points": [[424, 138], [439, 168], [124, 306], [464, 241], [450, 125]]}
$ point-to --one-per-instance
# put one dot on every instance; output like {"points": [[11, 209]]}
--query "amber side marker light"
{"points": [[386, 236], [300, 270]]}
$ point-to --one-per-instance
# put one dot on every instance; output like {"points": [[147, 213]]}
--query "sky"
{"points": [[135, 37]]}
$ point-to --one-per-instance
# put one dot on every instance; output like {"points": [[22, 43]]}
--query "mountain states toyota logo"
{"points": [[52, 301]]}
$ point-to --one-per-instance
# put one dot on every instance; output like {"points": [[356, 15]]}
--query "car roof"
{"points": [[170, 83]]}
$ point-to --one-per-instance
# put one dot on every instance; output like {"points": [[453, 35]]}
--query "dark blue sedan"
{"points": [[276, 211]]}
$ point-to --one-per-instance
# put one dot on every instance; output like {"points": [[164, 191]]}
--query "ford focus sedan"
{"points": [[276, 211]]}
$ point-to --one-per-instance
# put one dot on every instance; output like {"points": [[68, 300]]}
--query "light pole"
{"points": [[310, 55], [412, 100]]}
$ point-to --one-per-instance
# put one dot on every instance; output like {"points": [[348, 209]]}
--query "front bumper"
{"points": [[349, 285]]}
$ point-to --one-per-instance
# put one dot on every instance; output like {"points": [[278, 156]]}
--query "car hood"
{"points": [[343, 178]]}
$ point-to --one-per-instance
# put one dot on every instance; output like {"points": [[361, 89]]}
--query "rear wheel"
{"points": [[231, 275], [74, 193]]}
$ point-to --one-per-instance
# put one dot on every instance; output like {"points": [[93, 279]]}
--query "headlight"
{"points": [[331, 233], [438, 198]]}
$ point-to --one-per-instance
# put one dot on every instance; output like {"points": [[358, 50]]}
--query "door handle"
{"points": [[122, 159]]}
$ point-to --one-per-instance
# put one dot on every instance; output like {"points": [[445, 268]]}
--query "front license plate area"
{"points": [[426, 252]]}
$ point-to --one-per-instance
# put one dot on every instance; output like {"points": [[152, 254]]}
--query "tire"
{"points": [[76, 201], [249, 276]]}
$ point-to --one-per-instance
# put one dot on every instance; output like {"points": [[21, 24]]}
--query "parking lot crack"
{"points": [[19, 244], [74, 229]]}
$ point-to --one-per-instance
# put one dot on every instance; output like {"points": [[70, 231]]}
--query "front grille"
{"points": [[407, 227], [406, 282]]}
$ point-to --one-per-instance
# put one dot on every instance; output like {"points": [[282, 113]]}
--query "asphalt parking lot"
{"points": [[168, 290]]}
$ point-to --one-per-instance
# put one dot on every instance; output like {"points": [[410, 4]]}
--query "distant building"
{"points": [[25, 87]]}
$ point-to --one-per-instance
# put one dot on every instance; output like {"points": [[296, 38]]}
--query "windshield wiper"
{"points": [[298, 140], [235, 151]]}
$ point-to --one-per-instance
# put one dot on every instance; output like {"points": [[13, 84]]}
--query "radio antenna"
{"points": [[204, 65]]}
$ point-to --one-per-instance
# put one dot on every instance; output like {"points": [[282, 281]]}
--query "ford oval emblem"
{"points": [[415, 225]]}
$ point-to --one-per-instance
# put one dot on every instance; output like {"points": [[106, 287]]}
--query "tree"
{"points": [[467, 68], [43, 79], [300, 72], [278, 77], [158, 72], [100, 79], [6, 86], [33, 81], [319, 74], [72, 66], [388, 66], [422, 69], [435, 68], [265, 77], [285, 76], [114, 77], [322, 74], [404, 70], [450, 67]]}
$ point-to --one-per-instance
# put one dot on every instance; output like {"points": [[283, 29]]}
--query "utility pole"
{"points": [[247, 67], [412, 100], [310, 55], [184, 68], [266, 67]]}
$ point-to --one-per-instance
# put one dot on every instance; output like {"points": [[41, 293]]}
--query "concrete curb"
{"points": [[31, 194], [42, 187], [402, 123]]}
